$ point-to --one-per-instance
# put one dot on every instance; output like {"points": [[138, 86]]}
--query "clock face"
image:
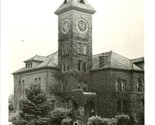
{"points": [[82, 25], [65, 26]]}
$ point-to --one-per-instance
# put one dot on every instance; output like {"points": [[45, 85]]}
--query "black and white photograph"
{"points": [[75, 62]]}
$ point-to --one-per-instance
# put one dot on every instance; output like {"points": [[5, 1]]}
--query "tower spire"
{"points": [[81, 5]]}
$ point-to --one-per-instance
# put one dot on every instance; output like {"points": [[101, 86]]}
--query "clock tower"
{"points": [[75, 36]]}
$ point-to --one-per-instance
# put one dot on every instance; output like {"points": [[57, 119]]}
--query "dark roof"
{"points": [[138, 60], [50, 61], [114, 60], [75, 5], [36, 58]]}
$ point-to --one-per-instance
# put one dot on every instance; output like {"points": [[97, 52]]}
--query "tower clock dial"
{"points": [[82, 25], [65, 26]]}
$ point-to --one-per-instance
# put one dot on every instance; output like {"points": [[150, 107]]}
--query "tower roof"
{"points": [[79, 5]]}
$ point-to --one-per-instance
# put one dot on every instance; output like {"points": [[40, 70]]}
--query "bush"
{"points": [[95, 120], [59, 113], [66, 121], [122, 119], [108, 121]]}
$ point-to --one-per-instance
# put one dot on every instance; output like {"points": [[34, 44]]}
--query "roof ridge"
{"points": [[110, 58], [51, 58]]}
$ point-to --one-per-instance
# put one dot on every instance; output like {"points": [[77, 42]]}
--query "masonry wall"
{"points": [[101, 84], [47, 77], [72, 37]]}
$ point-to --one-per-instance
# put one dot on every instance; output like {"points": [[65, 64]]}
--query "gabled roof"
{"points": [[75, 5], [115, 61], [50, 61]]}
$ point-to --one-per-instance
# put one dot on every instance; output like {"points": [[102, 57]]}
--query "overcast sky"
{"points": [[117, 26]]}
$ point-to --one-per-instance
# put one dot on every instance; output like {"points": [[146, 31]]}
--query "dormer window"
{"points": [[28, 65], [103, 60]]}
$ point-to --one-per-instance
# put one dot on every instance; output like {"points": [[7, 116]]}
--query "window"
{"points": [[64, 85], [19, 87], [84, 66], [79, 48], [67, 66], [79, 65], [62, 47], [121, 106], [103, 60], [116, 85], [85, 48], [23, 86], [65, 1], [31, 65], [81, 1], [63, 67], [140, 85], [66, 48], [120, 85]]}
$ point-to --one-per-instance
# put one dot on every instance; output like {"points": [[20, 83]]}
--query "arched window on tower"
{"points": [[81, 1], [65, 1]]}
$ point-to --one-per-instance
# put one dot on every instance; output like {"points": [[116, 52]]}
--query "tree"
{"points": [[11, 103], [33, 108], [58, 114]]}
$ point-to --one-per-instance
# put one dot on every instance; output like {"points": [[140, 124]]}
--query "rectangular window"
{"points": [[116, 85], [85, 48], [79, 48], [84, 66], [62, 47], [79, 65], [124, 106], [67, 66], [23, 86], [19, 86], [67, 47], [64, 85], [118, 106]]}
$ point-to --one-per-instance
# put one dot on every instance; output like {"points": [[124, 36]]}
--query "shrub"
{"points": [[95, 120], [59, 113], [108, 121], [66, 121], [122, 119]]}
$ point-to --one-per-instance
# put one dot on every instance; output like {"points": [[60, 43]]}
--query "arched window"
{"points": [[65, 1], [81, 1]]}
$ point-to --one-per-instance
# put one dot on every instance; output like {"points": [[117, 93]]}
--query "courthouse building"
{"points": [[104, 84]]}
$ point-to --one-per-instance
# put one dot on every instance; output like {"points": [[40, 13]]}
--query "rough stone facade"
{"points": [[108, 84]]}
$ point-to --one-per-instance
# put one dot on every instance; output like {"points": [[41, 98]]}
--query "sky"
{"points": [[31, 28]]}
